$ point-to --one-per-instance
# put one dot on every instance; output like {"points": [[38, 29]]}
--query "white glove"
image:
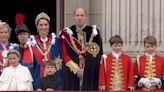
{"points": [[156, 82], [144, 81]]}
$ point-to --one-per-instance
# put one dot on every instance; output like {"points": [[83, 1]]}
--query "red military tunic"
{"points": [[155, 69], [110, 70]]}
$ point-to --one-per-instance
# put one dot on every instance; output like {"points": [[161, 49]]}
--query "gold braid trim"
{"points": [[73, 66], [102, 88], [86, 47]]}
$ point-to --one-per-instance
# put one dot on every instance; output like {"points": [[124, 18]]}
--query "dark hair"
{"points": [[44, 19], [115, 39], [150, 40], [50, 63]]}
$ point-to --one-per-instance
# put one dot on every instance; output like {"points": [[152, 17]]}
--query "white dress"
{"points": [[16, 79]]}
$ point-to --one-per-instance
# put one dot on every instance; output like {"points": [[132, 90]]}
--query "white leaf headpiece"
{"points": [[2, 23]]}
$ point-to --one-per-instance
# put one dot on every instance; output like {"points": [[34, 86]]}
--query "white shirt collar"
{"points": [[116, 55], [43, 40], [150, 56], [147, 54], [16, 66]]}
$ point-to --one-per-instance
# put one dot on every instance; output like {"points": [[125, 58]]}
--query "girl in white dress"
{"points": [[15, 77]]}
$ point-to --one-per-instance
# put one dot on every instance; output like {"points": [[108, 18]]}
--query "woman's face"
{"points": [[23, 37], [4, 34], [43, 27]]}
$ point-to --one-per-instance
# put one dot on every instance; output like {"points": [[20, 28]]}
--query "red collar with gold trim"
{"points": [[64, 35]]}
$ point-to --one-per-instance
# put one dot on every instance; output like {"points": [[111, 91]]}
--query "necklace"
{"points": [[43, 51], [85, 48]]}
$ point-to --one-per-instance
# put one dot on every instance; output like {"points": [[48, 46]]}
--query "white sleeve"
{"points": [[3, 76], [26, 82], [29, 75], [30, 86], [29, 81], [5, 80], [25, 86]]}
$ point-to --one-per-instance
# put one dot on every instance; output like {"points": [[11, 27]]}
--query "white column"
{"points": [[144, 22], [162, 23], [133, 23], [123, 19], [139, 29], [156, 22], [58, 16]]}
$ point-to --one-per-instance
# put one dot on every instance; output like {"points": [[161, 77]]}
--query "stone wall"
{"points": [[133, 20]]}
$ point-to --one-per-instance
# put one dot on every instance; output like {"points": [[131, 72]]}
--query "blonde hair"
{"points": [[4, 24]]}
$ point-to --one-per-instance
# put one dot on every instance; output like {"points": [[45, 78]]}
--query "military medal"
{"points": [[93, 49]]}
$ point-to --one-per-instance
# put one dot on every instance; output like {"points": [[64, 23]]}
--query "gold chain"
{"points": [[85, 49], [43, 51]]}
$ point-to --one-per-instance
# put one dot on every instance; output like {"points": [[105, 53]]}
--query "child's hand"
{"points": [[49, 89], [131, 88], [39, 89]]}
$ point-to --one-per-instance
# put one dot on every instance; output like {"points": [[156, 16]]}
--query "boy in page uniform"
{"points": [[116, 72], [148, 68]]}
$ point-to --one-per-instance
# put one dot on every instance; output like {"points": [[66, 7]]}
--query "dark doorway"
{"points": [[30, 8]]}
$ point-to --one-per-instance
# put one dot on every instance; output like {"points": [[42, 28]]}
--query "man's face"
{"points": [[80, 17], [116, 47], [149, 48]]}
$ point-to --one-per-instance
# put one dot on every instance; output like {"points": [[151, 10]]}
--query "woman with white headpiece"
{"points": [[5, 45], [45, 46]]}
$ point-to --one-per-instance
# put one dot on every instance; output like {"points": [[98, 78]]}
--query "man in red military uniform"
{"points": [[116, 72], [148, 68], [81, 51]]}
